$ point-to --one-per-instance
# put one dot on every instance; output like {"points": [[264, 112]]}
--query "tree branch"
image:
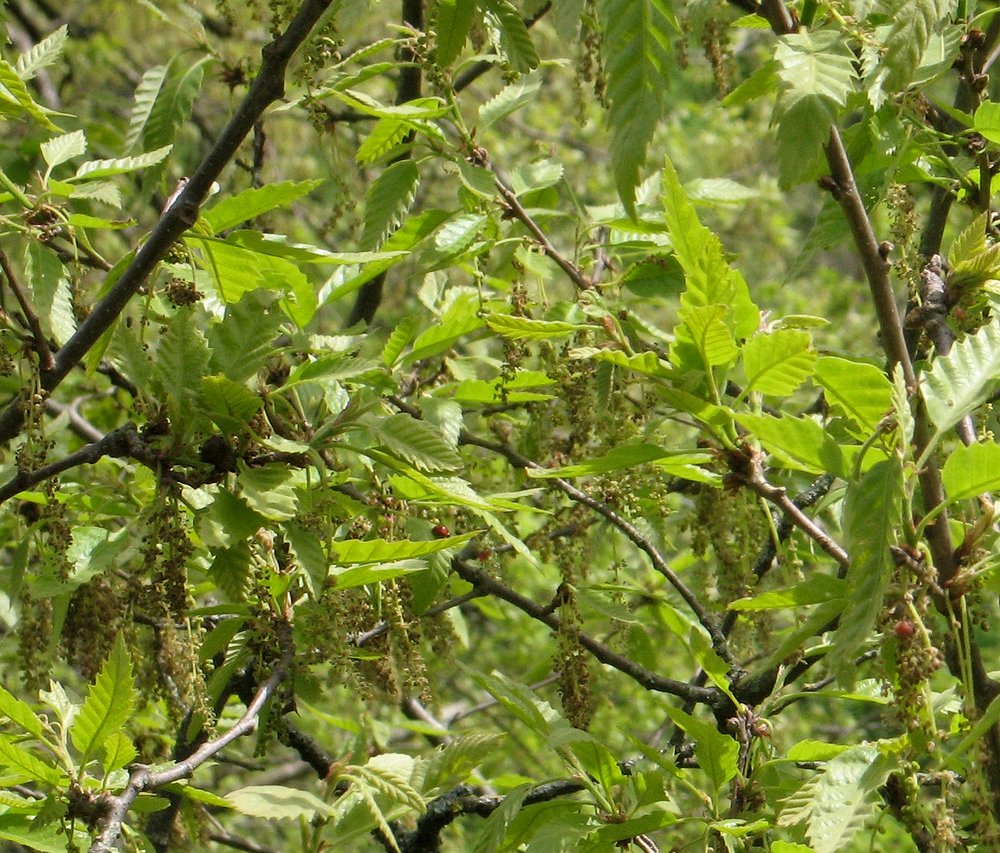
{"points": [[642, 676], [266, 88], [142, 778]]}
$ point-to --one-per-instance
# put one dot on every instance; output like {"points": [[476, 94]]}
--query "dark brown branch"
{"points": [[267, 87], [642, 676], [706, 619], [142, 778]]}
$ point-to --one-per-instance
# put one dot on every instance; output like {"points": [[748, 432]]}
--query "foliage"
{"points": [[606, 522]]}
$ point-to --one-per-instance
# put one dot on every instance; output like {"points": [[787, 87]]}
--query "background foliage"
{"points": [[489, 425]]}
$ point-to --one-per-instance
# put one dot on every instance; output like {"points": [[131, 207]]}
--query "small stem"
{"points": [[15, 191]]}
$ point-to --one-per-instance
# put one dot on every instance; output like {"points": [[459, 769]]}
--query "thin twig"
{"points": [[267, 87], [143, 778], [644, 677]]}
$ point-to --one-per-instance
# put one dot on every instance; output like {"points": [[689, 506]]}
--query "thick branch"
{"points": [[266, 88]]}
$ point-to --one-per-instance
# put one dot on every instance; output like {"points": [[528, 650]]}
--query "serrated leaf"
{"points": [[119, 752], [245, 337], [964, 379], [458, 233], [703, 327], [19, 762], [108, 705], [452, 22], [41, 55], [453, 762], [709, 280], [120, 165], [859, 390], [400, 337], [717, 753], [382, 551], [387, 200], [309, 553], [230, 405], [417, 442], [779, 362], [251, 203], [798, 442], [181, 361], [275, 802], [515, 41], [637, 37], [62, 148], [164, 100], [913, 24], [624, 456], [18, 101], [508, 100], [817, 589], [268, 491], [812, 64], [838, 801], [387, 133], [527, 329], [872, 514], [971, 240], [19, 713], [368, 574], [971, 470], [51, 292], [803, 129]]}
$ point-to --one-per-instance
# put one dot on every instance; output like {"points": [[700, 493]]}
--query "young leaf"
{"points": [[859, 390], [387, 200], [108, 705], [62, 148], [800, 442], [164, 102], [527, 329], [25, 766], [19, 713], [381, 551], [417, 442], [971, 470], [251, 203], [779, 362], [624, 456], [960, 381], [637, 37], [43, 54], [276, 802], [120, 166], [872, 514], [913, 23], [717, 753], [452, 22], [508, 100], [14, 94], [515, 41]]}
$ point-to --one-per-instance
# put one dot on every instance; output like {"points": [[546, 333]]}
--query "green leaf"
{"points": [[816, 590], [527, 329], [27, 767], [709, 280], [452, 22], [245, 337], [515, 42], [624, 456], [717, 753], [181, 361], [400, 337], [987, 125], [51, 292], [119, 166], [309, 553], [703, 328], [637, 39], [119, 752], [913, 24], [43, 54], [962, 380], [838, 801], [779, 362], [508, 100], [803, 130], [971, 470], [19, 713], [164, 101], [860, 391], [387, 133], [62, 148], [454, 761], [417, 442], [108, 706], [16, 100], [230, 405], [267, 491], [34, 835], [275, 802], [799, 442], [816, 64], [458, 233], [872, 514], [388, 199], [367, 574], [251, 203], [381, 551], [815, 750]]}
